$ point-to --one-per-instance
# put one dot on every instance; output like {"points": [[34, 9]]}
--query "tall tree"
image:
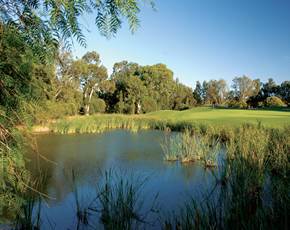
{"points": [[91, 75], [244, 87], [284, 91], [197, 93]]}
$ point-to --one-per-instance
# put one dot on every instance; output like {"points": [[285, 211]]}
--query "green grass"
{"points": [[199, 118], [224, 117]]}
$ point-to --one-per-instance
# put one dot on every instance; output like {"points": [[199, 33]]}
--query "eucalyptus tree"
{"points": [[159, 81], [183, 97], [91, 75], [130, 89], [222, 90], [244, 87]]}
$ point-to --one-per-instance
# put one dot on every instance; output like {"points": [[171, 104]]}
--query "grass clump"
{"points": [[190, 146], [171, 147], [247, 194], [117, 204]]}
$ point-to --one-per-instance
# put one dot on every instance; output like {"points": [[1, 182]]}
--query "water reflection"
{"points": [[89, 155]]}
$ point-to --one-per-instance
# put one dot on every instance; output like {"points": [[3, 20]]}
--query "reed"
{"points": [[190, 146], [171, 147], [245, 194], [120, 201], [29, 216]]}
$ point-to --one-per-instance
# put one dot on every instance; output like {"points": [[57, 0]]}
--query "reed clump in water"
{"points": [[247, 194], [190, 146], [120, 201], [171, 147]]}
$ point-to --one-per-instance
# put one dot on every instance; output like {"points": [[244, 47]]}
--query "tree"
{"points": [[60, 19], [212, 92], [269, 88], [91, 75], [183, 97], [222, 91], [284, 91], [130, 90], [274, 101], [215, 91], [160, 84], [244, 88], [198, 93]]}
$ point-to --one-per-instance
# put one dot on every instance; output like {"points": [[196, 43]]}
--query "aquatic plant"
{"points": [[119, 201], [171, 146], [29, 216], [190, 146], [244, 192], [210, 148]]}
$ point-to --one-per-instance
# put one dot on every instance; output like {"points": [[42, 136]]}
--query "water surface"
{"points": [[89, 155]]}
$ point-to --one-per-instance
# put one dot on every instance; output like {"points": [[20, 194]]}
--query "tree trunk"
{"points": [[87, 106], [138, 110]]}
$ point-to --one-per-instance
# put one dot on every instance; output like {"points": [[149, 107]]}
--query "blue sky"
{"points": [[203, 39]]}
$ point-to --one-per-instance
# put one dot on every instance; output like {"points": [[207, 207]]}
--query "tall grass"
{"points": [[29, 216], [190, 146], [171, 146], [248, 193], [118, 202], [99, 124]]}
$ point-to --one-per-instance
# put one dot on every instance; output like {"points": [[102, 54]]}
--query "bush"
{"points": [[97, 106], [149, 105], [274, 101], [237, 104]]}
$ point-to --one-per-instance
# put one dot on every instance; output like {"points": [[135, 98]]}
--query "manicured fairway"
{"points": [[225, 116]]}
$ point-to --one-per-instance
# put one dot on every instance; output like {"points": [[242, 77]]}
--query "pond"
{"points": [[72, 163]]}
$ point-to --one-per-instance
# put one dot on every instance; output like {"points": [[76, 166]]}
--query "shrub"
{"points": [[274, 101], [149, 105], [98, 106], [237, 104]]}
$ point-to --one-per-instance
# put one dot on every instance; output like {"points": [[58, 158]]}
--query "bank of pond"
{"points": [[124, 175]]}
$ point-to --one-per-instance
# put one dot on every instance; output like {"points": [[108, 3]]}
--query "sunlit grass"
{"points": [[224, 117], [221, 119]]}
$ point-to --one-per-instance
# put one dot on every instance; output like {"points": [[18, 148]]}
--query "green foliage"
{"points": [[148, 88], [149, 105], [245, 192], [190, 146], [237, 104], [274, 101], [98, 106], [60, 20], [13, 175], [120, 201], [198, 93]]}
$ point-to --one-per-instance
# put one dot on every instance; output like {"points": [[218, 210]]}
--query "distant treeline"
{"points": [[68, 86], [84, 86], [243, 93]]}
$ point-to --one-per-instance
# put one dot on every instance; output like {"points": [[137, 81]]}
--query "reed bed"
{"points": [[251, 189], [191, 146]]}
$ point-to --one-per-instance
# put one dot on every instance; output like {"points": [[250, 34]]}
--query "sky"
{"points": [[203, 39]]}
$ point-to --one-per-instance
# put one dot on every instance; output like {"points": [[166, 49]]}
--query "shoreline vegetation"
{"points": [[253, 169], [251, 186], [196, 118]]}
